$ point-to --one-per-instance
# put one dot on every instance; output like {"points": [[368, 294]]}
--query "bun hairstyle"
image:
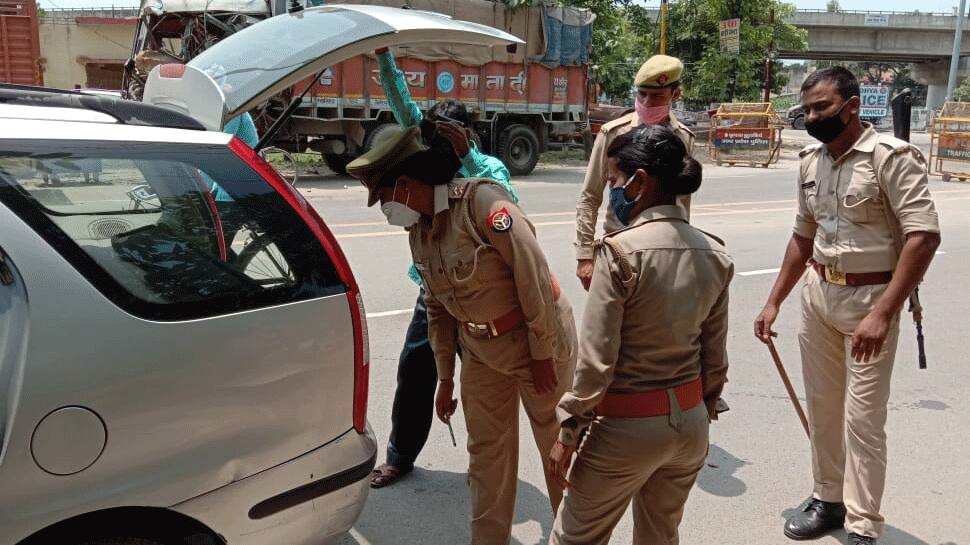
{"points": [[660, 153]]}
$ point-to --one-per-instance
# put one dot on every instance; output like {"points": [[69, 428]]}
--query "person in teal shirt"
{"points": [[243, 128], [417, 375]]}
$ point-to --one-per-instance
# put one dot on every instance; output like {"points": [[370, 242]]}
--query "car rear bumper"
{"points": [[313, 499]]}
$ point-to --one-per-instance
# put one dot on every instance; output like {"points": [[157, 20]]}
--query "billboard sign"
{"points": [[731, 36], [875, 101]]}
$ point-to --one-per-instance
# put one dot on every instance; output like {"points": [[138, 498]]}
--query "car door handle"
{"points": [[6, 275]]}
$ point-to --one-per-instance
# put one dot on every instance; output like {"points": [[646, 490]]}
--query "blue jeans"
{"points": [[417, 379]]}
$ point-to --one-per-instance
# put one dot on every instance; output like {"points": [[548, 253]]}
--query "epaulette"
{"points": [[716, 238], [809, 149], [618, 122], [620, 256], [897, 146]]}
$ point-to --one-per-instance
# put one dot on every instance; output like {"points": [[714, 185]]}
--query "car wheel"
{"points": [[799, 123], [518, 148]]}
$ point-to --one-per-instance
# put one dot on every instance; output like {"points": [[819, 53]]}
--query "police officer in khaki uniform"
{"points": [[652, 360], [866, 230], [489, 292], [658, 87]]}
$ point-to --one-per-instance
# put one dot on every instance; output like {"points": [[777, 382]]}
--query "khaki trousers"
{"points": [[847, 401], [653, 461], [495, 376]]}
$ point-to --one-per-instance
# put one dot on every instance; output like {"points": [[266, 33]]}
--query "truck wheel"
{"points": [[377, 134], [337, 163], [518, 148], [588, 140], [798, 123]]}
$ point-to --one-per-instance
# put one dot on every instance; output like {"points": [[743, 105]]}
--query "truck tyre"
{"points": [[377, 134], [518, 148], [798, 123], [337, 163], [588, 140]]}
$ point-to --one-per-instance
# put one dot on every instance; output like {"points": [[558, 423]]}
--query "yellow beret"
{"points": [[370, 167], [659, 71]]}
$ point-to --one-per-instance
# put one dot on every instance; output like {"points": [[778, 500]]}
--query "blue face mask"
{"points": [[620, 205]]}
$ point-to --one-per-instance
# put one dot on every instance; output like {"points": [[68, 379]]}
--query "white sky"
{"points": [[888, 5]]}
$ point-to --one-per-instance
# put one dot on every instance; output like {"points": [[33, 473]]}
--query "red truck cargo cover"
{"points": [[19, 43]]}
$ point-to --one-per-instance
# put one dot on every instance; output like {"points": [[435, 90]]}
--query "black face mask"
{"points": [[828, 129]]}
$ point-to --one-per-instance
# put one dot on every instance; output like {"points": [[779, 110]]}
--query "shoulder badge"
{"points": [[500, 220], [808, 150]]}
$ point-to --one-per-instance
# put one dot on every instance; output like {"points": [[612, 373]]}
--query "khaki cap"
{"points": [[659, 71], [370, 167]]}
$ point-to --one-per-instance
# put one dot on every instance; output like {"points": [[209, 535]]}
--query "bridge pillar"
{"points": [[935, 75]]}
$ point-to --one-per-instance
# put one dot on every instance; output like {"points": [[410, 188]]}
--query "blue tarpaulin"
{"points": [[568, 33]]}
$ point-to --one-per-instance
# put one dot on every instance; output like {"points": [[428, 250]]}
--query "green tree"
{"points": [[833, 6], [898, 75], [713, 76], [621, 42], [962, 93]]}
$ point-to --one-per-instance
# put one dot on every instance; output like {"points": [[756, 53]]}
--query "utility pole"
{"points": [[663, 27], [735, 12], [769, 55], [955, 58]]}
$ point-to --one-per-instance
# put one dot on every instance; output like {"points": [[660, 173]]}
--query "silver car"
{"points": [[183, 347]]}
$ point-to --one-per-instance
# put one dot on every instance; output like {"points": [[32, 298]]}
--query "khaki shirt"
{"points": [[852, 214], [657, 323], [476, 272], [594, 185]]}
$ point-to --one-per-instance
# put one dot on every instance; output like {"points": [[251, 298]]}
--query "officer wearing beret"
{"points": [[658, 87], [489, 292]]}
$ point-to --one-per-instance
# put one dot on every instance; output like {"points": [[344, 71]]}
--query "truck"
{"points": [[20, 43], [524, 101]]}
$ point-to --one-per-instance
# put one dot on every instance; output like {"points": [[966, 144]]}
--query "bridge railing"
{"points": [[875, 12]]}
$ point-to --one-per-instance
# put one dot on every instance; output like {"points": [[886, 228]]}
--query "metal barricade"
{"points": [[950, 142], [745, 133]]}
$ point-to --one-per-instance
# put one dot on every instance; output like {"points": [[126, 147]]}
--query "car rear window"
{"points": [[166, 231]]}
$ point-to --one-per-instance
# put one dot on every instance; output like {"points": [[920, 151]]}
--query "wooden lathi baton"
{"points": [[788, 386]]}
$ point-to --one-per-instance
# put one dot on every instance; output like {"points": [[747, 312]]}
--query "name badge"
{"points": [[808, 185]]}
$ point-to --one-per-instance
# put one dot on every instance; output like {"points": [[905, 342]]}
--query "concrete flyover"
{"points": [[924, 39]]}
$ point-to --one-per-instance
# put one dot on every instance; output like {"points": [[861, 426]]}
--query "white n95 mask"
{"points": [[399, 214]]}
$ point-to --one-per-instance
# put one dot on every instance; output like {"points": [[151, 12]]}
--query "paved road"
{"points": [[759, 464]]}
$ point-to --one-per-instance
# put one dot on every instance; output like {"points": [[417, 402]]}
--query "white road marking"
{"points": [[358, 538], [760, 271], [387, 313], [701, 210]]}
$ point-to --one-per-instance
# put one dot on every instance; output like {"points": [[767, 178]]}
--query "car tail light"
{"points": [[329, 243]]}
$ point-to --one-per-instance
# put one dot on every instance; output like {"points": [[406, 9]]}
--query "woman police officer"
{"points": [[652, 360]]}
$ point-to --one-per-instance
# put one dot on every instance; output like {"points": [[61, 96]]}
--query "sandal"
{"points": [[384, 475]]}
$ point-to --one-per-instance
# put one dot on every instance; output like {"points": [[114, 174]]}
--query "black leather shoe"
{"points": [[817, 519], [856, 539]]}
